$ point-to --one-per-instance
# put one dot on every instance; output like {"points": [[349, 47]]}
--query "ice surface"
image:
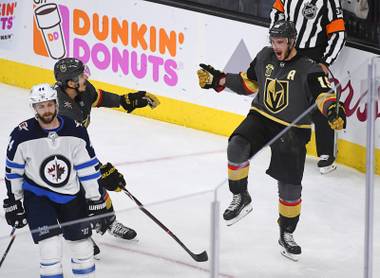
{"points": [[167, 162]]}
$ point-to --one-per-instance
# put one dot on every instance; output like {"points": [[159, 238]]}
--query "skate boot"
{"points": [[326, 164], [239, 207], [120, 231], [289, 248]]}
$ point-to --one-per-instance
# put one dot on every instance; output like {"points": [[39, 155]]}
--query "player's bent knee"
{"points": [[289, 192], [238, 149], [82, 258], [50, 257]]}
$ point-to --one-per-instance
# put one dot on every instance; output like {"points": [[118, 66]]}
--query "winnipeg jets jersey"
{"points": [[51, 163]]}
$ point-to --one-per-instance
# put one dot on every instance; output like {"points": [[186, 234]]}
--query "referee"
{"points": [[321, 37]]}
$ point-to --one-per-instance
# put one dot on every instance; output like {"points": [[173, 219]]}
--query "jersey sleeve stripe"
{"points": [[13, 176], [90, 177], [249, 86], [99, 98], [336, 25], [11, 164], [89, 163]]}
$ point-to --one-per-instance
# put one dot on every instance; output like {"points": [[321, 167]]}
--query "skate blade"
{"points": [[97, 257], [242, 214], [132, 240], [327, 169], [289, 256]]}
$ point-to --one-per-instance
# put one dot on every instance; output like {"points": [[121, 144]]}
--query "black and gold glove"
{"points": [[336, 116], [139, 99], [209, 78], [111, 179]]}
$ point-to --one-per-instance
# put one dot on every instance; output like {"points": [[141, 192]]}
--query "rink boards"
{"points": [[134, 49]]}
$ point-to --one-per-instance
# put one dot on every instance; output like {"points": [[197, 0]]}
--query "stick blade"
{"points": [[201, 257]]}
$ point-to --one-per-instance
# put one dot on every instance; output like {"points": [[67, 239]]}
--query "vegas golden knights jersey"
{"points": [[286, 88]]}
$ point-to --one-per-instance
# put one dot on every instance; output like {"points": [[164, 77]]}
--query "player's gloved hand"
{"points": [[336, 116], [98, 210], [139, 99], [210, 78], [14, 213], [111, 179]]}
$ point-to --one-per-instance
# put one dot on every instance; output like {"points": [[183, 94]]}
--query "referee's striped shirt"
{"points": [[318, 22]]}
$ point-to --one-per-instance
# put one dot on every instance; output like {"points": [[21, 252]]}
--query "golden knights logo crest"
{"points": [[276, 95]]}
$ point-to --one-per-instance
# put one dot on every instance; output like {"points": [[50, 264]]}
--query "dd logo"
{"points": [[53, 36]]}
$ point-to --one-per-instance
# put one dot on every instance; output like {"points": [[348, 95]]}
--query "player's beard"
{"points": [[48, 117]]}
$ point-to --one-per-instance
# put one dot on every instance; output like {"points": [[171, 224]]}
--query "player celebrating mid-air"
{"points": [[76, 97], [286, 84], [51, 167], [320, 24]]}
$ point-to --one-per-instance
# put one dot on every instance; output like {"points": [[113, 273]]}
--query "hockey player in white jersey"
{"points": [[48, 157]]}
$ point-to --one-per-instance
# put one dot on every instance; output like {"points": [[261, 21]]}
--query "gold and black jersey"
{"points": [[286, 89], [79, 108]]}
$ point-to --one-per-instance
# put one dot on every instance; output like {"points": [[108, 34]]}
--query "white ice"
{"points": [[162, 162]]}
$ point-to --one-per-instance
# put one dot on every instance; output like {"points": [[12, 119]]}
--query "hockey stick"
{"points": [[337, 90], [13, 236], [201, 257]]}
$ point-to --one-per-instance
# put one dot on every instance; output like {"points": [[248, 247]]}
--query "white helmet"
{"points": [[42, 92]]}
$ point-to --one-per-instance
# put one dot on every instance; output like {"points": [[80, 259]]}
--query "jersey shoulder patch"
{"points": [[73, 128], [24, 128]]}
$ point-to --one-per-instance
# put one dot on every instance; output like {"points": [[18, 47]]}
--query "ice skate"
{"points": [[326, 164], [239, 207], [120, 231], [289, 248]]}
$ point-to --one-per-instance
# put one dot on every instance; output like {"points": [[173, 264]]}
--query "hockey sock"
{"points": [[238, 176], [289, 214], [82, 258], [50, 257]]}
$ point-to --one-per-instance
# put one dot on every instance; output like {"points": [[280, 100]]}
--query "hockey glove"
{"points": [[14, 213], [209, 77], [101, 220], [138, 99], [111, 179], [336, 116]]}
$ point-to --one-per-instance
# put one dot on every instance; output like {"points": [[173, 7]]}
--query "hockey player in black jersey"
{"points": [[76, 97], [321, 37], [49, 159], [286, 85]]}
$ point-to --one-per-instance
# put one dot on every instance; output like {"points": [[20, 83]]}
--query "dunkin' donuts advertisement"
{"points": [[109, 43], [8, 11]]}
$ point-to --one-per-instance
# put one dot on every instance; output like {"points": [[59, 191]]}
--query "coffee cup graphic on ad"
{"points": [[49, 21]]}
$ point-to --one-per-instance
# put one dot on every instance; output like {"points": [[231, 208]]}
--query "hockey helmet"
{"points": [[283, 29], [42, 92], [68, 69]]}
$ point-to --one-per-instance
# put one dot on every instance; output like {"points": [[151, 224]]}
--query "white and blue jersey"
{"points": [[51, 163]]}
